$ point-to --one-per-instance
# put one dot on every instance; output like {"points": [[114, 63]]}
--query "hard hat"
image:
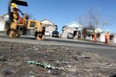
{"points": [[95, 31], [13, 5], [107, 31]]}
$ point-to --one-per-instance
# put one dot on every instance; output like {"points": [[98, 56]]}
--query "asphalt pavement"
{"points": [[58, 41], [87, 46]]}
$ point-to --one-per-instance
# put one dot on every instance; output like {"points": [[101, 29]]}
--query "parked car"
{"points": [[70, 36], [55, 34], [47, 33]]}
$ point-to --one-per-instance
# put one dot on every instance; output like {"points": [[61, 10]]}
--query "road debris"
{"points": [[43, 64]]}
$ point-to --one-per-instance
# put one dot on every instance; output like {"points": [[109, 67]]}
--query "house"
{"points": [[3, 22], [72, 27], [68, 30], [101, 37], [99, 32], [49, 26], [113, 37], [5, 17]]}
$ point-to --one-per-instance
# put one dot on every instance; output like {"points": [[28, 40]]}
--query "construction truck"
{"points": [[22, 25]]}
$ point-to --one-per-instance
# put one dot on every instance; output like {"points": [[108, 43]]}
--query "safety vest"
{"points": [[107, 35]]}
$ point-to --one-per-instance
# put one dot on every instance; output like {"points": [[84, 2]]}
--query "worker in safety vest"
{"points": [[107, 37], [16, 16], [95, 36]]}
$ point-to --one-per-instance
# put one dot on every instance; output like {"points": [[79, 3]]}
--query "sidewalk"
{"points": [[98, 42]]}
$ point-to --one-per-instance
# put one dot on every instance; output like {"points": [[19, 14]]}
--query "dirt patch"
{"points": [[70, 61]]}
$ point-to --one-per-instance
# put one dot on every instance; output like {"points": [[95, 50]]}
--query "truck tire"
{"points": [[39, 36], [13, 33]]}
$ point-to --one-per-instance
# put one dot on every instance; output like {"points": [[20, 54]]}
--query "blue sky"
{"points": [[62, 12]]}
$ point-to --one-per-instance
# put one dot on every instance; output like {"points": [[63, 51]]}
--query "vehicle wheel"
{"points": [[38, 36], [13, 33]]}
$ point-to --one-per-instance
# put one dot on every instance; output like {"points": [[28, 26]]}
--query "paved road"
{"points": [[100, 48], [58, 41]]}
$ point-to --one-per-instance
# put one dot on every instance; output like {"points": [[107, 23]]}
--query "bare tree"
{"points": [[94, 18], [91, 20]]}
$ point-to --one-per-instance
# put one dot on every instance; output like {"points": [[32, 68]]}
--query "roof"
{"points": [[48, 22], [98, 30], [1, 19], [72, 28], [74, 24], [5, 16]]}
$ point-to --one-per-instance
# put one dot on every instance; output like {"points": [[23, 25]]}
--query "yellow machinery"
{"points": [[23, 26]]}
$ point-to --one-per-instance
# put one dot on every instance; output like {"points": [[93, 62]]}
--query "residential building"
{"points": [[68, 30], [49, 26], [3, 22], [101, 37], [5, 17], [90, 34], [72, 27], [113, 37]]}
